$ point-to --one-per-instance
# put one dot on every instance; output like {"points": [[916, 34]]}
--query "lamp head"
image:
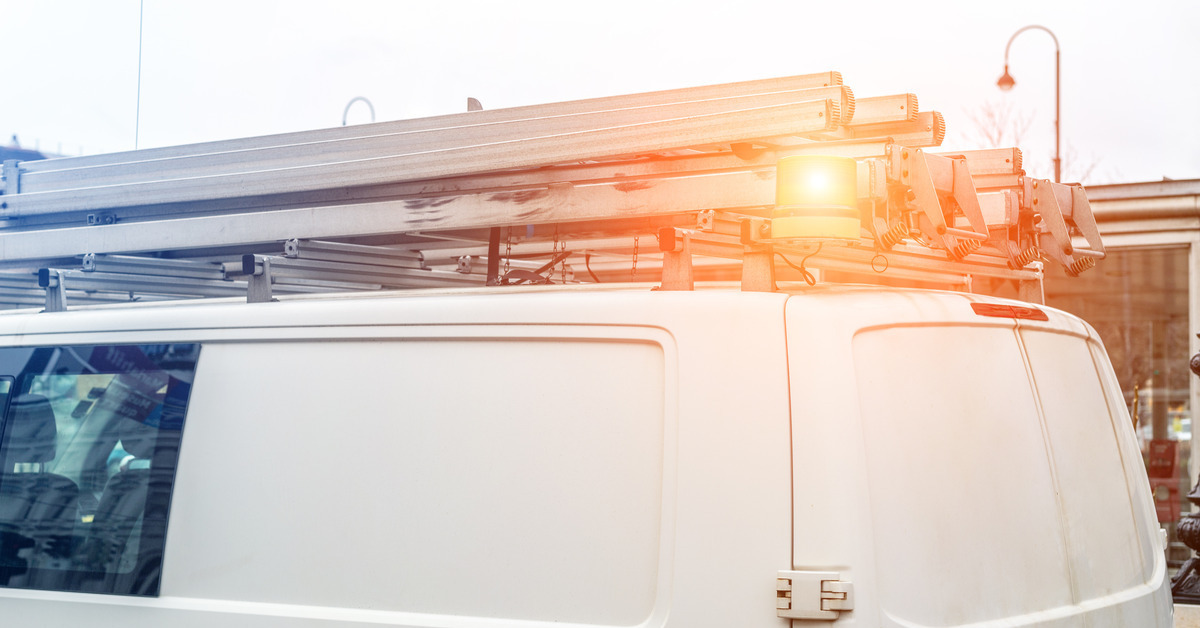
{"points": [[1006, 82]]}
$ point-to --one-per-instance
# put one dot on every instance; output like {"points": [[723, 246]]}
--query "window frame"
{"points": [[126, 535]]}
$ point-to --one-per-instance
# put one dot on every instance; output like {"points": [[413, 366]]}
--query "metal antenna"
{"points": [[137, 118]]}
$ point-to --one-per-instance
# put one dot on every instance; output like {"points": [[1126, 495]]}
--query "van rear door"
{"points": [[967, 465]]}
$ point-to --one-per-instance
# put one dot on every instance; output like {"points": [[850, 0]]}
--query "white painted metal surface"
{"points": [[506, 460], [633, 458], [986, 473]]}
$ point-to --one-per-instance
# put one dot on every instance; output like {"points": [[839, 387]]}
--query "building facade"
{"points": [[1144, 301]]}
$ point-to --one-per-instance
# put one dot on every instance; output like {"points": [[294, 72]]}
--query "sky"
{"points": [[80, 80]]}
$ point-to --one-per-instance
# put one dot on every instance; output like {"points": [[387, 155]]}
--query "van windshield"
{"points": [[88, 448]]}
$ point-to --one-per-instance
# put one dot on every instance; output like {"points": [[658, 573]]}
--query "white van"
{"points": [[523, 458]]}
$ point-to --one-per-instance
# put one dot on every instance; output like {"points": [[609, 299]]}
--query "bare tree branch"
{"points": [[999, 125]]}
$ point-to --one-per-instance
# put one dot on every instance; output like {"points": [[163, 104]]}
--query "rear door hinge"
{"points": [[812, 595]]}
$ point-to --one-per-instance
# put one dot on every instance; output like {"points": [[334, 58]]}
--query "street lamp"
{"points": [[1006, 83]]}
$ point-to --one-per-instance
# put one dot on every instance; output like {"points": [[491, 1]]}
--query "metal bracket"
{"points": [[101, 218], [258, 278], [11, 174], [758, 256], [676, 245], [56, 290], [758, 269], [812, 595], [929, 178], [1010, 227], [1064, 208]]}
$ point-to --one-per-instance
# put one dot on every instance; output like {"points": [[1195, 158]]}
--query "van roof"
{"points": [[616, 304]]}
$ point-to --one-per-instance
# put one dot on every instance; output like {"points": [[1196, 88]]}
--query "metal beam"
{"points": [[359, 149], [762, 122], [607, 103]]}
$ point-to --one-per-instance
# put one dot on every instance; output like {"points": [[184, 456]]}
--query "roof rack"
{"points": [[674, 187]]}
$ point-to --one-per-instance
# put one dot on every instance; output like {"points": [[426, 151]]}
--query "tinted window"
{"points": [[88, 446]]}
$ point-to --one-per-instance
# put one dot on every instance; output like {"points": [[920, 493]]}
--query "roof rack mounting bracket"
{"points": [[258, 276], [56, 289], [1063, 209], [758, 269], [676, 245], [11, 175], [929, 179]]}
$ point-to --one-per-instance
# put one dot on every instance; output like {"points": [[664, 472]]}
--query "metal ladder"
{"points": [[674, 186]]}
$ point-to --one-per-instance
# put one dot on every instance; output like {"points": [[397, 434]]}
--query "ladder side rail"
{"points": [[928, 129], [372, 147], [270, 275], [503, 181], [351, 272], [761, 86], [352, 253], [745, 189], [630, 139], [133, 265], [155, 284], [646, 166], [613, 200], [885, 109], [731, 189], [993, 161]]}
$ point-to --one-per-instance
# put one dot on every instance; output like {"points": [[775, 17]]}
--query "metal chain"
{"points": [[562, 269], [633, 270], [507, 251], [563, 264]]}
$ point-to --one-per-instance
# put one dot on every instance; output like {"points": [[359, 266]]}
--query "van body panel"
{"points": [[632, 458], [453, 489], [507, 460], [983, 460]]}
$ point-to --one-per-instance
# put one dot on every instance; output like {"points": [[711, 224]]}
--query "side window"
{"points": [[89, 440]]}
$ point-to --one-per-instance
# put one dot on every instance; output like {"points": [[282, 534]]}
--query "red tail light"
{"points": [[1000, 310]]}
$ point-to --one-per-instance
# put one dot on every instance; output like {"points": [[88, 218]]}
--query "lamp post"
{"points": [[1006, 83]]}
